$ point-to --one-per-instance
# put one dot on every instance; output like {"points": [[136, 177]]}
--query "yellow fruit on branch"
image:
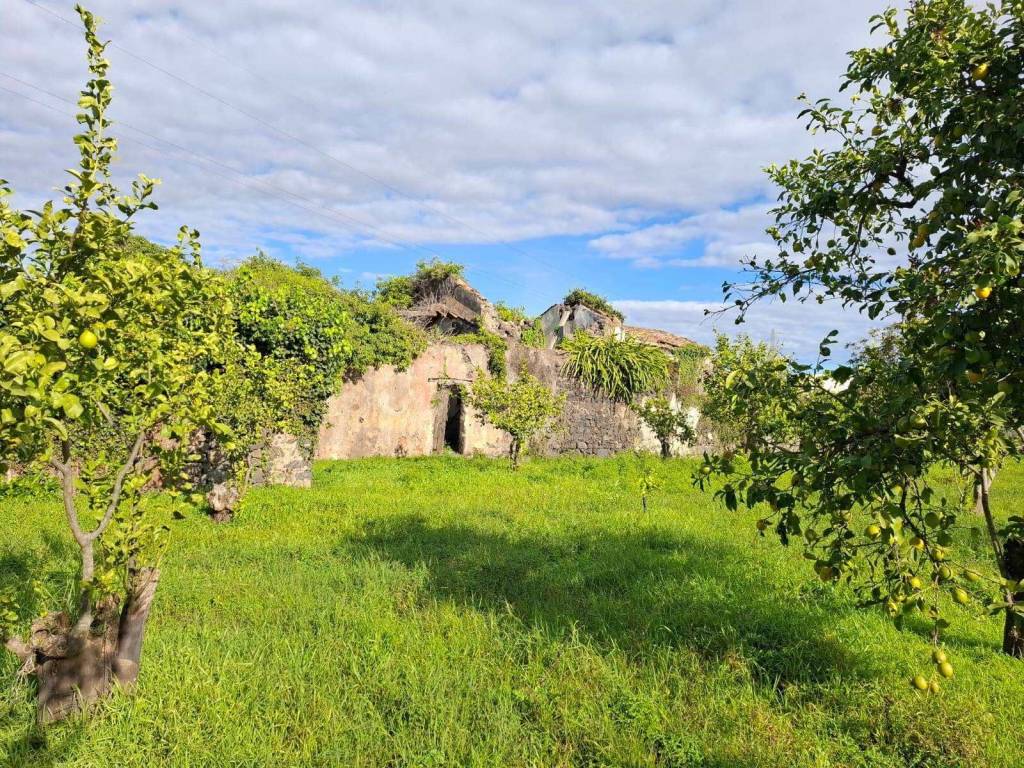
{"points": [[980, 72], [88, 340], [983, 291]]}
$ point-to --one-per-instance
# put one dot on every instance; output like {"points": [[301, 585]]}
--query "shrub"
{"points": [[620, 369], [592, 300], [511, 314], [396, 291], [522, 408], [667, 423], [379, 336], [403, 291], [760, 418], [534, 336], [296, 320]]}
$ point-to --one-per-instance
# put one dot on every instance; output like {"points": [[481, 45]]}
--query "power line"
{"points": [[292, 137]]}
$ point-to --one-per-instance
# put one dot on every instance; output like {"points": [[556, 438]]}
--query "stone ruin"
{"points": [[419, 411]]}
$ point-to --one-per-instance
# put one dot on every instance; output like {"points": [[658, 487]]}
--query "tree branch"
{"points": [[115, 494], [67, 483]]}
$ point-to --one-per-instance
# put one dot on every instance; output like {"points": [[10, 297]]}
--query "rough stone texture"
{"points": [[561, 321], [282, 462], [404, 413], [222, 498]]}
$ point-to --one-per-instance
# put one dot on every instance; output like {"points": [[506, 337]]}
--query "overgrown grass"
{"points": [[447, 612]]}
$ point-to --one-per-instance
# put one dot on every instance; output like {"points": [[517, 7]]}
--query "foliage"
{"points": [[687, 367], [668, 424], [533, 336], [437, 271], [492, 618], [759, 417], [928, 156], [105, 347], [522, 408], [403, 291], [531, 332], [496, 346], [511, 314], [397, 291], [622, 369], [648, 480], [297, 321], [378, 336], [598, 303]]}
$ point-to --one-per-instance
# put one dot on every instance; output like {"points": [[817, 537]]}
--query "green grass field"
{"points": [[445, 612]]}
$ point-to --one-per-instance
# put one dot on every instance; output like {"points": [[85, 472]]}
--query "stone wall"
{"points": [[405, 413], [410, 413]]}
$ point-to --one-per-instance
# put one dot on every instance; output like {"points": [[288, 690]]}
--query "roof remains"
{"points": [[662, 339]]}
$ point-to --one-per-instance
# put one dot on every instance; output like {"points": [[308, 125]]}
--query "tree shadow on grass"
{"points": [[635, 590]]}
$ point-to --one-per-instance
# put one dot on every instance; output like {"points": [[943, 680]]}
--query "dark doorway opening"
{"points": [[453, 422]]}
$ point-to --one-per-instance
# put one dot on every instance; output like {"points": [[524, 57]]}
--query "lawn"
{"points": [[446, 612]]}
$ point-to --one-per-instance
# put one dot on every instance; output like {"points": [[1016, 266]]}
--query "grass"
{"points": [[446, 612]]}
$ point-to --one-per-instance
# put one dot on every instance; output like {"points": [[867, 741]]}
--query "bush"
{"points": [[511, 314], [534, 336], [379, 335], [403, 291], [521, 408], [396, 291], [592, 300], [667, 423], [621, 369], [297, 320]]}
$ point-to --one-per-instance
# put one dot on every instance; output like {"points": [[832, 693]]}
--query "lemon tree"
{"points": [[108, 353], [912, 212]]}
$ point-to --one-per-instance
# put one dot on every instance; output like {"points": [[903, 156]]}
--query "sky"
{"points": [[616, 145]]}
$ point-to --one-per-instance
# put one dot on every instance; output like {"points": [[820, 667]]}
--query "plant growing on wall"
{"points": [[668, 424], [522, 408], [579, 296], [403, 291], [928, 166], [97, 378], [621, 369], [299, 324], [496, 347]]}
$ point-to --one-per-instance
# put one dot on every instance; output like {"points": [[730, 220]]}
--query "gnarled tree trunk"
{"points": [[75, 666]]}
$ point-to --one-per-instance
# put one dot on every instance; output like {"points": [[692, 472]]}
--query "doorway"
{"points": [[453, 438]]}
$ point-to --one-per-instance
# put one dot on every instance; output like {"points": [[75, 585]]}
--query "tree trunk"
{"points": [[1013, 627], [513, 454], [666, 449], [75, 668]]}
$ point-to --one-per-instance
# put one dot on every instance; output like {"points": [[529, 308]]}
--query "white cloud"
{"points": [[724, 238], [797, 328], [520, 119]]}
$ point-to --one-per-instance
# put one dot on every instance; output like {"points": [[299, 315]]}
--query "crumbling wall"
{"points": [[388, 412], [405, 413]]}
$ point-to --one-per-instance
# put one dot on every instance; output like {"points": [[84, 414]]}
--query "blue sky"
{"points": [[617, 146]]}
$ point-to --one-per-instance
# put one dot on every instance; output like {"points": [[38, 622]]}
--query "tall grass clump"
{"points": [[618, 368]]}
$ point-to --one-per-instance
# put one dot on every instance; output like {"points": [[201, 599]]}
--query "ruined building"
{"points": [[419, 411]]}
